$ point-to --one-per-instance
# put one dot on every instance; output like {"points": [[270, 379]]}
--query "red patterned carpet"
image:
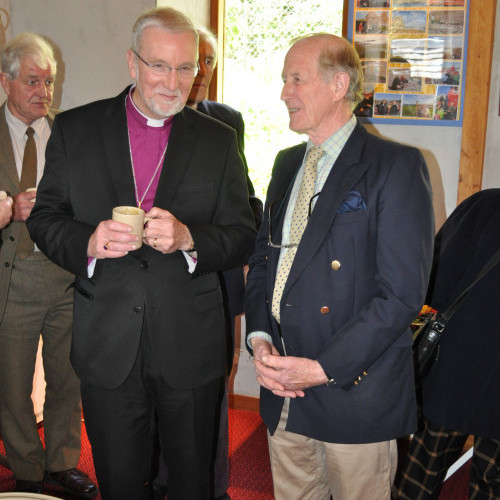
{"points": [[250, 477]]}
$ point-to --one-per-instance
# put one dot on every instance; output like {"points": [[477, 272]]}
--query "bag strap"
{"points": [[446, 316]]}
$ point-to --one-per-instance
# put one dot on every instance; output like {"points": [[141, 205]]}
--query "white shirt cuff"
{"points": [[260, 335]]}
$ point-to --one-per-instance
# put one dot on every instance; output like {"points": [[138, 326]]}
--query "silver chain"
{"points": [[139, 202]]}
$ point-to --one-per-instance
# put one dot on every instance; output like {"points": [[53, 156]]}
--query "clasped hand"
{"points": [[6, 203], [165, 233], [285, 376], [23, 203]]}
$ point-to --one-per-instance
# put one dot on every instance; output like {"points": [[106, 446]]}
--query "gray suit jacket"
{"points": [[9, 182]]}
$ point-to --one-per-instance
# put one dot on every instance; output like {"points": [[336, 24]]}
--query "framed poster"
{"points": [[413, 54]]}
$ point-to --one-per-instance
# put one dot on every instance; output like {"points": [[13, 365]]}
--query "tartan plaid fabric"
{"points": [[433, 450], [485, 469]]}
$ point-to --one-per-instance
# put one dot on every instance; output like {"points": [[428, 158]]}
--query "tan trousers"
{"points": [[307, 469], [39, 302]]}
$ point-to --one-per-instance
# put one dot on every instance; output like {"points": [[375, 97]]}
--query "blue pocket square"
{"points": [[352, 203]]}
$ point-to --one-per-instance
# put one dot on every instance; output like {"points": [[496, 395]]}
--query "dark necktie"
{"points": [[28, 180]]}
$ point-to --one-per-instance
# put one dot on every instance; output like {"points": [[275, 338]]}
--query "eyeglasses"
{"points": [[269, 229], [185, 71]]}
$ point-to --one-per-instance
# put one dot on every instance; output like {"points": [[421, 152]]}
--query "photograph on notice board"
{"points": [[387, 105]]}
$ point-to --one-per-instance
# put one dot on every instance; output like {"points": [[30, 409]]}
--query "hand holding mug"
{"points": [[112, 239], [166, 233]]}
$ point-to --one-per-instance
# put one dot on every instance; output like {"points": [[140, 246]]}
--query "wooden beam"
{"points": [[217, 25], [345, 18], [477, 91]]}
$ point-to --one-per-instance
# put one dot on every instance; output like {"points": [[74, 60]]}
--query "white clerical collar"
{"points": [[152, 122]]}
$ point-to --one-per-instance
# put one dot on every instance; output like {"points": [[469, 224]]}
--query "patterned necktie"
{"points": [[298, 224], [28, 180]]}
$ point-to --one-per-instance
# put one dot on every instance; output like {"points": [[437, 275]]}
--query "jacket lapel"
{"points": [[346, 172], [116, 147], [181, 145], [280, 196], [7, 160]]}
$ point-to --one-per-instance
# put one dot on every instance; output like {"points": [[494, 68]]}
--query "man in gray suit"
{"points": [[35, 294]]}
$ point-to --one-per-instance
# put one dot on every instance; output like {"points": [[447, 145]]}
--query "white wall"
{"points": [[197, 10], [441, 149], [491, 172], [92, 38]]}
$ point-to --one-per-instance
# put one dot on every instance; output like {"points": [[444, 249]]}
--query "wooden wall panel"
{"points": [[477, 91]]}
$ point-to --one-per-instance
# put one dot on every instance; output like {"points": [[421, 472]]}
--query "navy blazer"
{"points": [[88, 171], [353, 319]]}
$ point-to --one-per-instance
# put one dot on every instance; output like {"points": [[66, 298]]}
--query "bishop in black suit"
{"points": [[149, 324]]}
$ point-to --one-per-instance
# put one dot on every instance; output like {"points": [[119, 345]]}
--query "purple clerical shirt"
{"points": [[148, 141]]}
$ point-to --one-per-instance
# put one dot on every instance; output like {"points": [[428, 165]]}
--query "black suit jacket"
{"points": [[230, 116], [88, 172], [461, 390], [357, 281]]}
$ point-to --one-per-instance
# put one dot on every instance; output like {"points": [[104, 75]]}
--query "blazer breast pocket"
{"points": [[352, 217]]}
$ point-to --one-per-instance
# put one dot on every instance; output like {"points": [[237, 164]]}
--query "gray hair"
{"points": [[210, 37], [166, 19], [27, 44], [338, 54]]}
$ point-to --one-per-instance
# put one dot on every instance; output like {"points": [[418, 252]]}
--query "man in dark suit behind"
{"points": [[232, 280], [340, 270], [35, 294], [149, 324]]}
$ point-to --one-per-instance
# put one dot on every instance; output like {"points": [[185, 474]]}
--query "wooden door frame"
{"points": [[477, 86]]}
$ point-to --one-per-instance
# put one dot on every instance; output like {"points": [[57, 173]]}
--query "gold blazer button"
{"points": [[325, 310], [335, 265]]}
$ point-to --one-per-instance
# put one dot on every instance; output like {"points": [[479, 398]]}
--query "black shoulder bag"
{"points": [[426, 338]]}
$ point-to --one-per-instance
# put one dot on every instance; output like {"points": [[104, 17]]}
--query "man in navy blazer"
{"points": [[149, 329], [333, 356]]}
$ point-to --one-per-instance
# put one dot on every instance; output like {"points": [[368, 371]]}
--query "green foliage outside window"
{"points": [[257, 37]]}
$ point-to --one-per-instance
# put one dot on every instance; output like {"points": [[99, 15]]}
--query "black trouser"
{"points": [[118, 423]]}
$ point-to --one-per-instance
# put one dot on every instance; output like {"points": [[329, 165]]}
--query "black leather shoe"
{"points": [[74, 482], [29, 486]]}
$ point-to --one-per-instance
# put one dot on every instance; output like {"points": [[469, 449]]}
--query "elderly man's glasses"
{"points": [[162, 69], [269, 228]]}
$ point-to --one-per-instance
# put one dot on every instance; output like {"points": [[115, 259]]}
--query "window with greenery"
{"points": [[257, 35]]}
